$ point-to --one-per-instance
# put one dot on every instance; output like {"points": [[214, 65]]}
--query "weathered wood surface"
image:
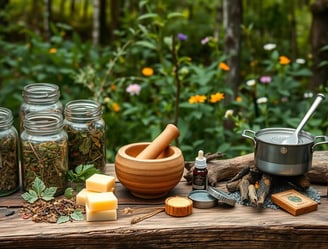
{"points": [[218, 227]]}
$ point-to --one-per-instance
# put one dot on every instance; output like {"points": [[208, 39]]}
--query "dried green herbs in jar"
{"points": [[44, 151], [86, 133], [9, 166]]}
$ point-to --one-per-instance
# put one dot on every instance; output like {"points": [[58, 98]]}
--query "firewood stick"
{"points": [[264, 189], [243, 188], [301, 181], [233, 186], [240, 174], [252, 195]]}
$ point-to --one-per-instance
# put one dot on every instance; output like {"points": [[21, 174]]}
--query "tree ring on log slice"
{"points": [[202, 199], [178, 206]]}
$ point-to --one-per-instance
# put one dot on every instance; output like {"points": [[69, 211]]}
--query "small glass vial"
{"points": [[40, 97], [44, 151], [199, 177], [86, 134], [9, 163]]}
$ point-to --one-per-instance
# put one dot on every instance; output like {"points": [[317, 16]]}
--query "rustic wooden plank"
{"points": [[218, 227]]}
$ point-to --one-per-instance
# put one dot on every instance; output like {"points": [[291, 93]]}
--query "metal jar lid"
{"points": [[221, 196], [202, 199]]}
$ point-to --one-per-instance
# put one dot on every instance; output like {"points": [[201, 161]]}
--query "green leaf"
{"points": [[30, 196], [48, 193], [148, 16], [174, 15], [38, 186], [145, 44], [63, 219], [68, 193], [77, 215]]}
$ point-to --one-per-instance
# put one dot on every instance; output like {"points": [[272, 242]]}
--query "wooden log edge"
{"points": [[225, 169]]}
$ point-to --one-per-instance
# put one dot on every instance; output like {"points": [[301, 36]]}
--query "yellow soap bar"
{"points": [[81, 197], [100, 183], [101, 201], [100, 215]]}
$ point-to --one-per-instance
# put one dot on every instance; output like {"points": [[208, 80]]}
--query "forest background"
{"points": [[213, 68]]}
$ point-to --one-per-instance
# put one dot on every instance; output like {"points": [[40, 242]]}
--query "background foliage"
{"points": [[181, 46]]}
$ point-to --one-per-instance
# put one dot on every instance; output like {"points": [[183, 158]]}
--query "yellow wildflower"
{"points": [[216, 97], [284, 60], [52, 50], [116, 107], [147, 71], [223, 66], [197, 99], [238, 99]]}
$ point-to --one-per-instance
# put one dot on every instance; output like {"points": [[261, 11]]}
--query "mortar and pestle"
{"points": [[150, 170]]}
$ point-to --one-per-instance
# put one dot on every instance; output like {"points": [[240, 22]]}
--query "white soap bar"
{"points": [[100, 183], [101, 201], [100, 215]]}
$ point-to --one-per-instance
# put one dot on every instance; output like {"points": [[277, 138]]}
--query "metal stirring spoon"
{"points": [[293, 138]]}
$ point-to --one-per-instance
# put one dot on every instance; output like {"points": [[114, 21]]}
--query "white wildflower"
{"points": [[262, 100], [269, 46]]}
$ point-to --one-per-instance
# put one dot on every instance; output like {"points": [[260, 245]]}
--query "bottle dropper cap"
{"points": [[200, 162]]}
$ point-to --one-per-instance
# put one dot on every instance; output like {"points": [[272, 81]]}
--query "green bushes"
{"points": [[147, 79]]}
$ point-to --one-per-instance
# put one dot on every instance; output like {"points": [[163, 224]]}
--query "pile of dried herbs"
{"points": [[43, 207]]}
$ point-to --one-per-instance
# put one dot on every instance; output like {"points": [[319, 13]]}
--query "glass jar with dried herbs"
{"points": [[40, 97], [9, 166], [86, 133], [44, 150]]}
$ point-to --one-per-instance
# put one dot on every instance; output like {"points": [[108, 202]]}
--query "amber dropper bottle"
{"points": [[199, 177]]}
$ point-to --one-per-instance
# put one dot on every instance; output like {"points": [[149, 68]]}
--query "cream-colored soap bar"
{"points": [[100, 183], [101, 201], [100, 215], [81, 197]]}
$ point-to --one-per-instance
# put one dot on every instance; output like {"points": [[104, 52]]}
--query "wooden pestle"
{"points": [[154, 149]]}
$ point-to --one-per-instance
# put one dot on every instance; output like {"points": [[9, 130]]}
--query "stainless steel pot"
{"points": [[273, 157]]}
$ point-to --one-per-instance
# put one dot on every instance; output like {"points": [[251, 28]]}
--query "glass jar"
{"points": [[86, 134], [9, 163], [40, 97], [44, 150]]}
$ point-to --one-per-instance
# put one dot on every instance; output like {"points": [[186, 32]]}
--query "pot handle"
{"points": [[251, 136], [324, 138]]}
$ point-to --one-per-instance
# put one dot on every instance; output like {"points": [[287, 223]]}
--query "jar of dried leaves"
{"points": [[40, 97], [44, 150], [86, 133], [9, 167]]}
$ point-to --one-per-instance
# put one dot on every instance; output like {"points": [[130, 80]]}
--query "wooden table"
{"points": [[218, 227]]}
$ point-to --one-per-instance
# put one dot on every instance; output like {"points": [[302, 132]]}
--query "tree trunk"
{"points": [[95, 26], [114, 22], [293, 32], [103, 32], [232, 21], [47, 18], [319, 38], [85, 10]]}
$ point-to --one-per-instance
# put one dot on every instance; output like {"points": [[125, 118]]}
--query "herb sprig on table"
{"points": [[80, 174]]}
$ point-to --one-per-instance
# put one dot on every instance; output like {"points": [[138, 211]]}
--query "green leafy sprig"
{"points": [[39, 191], [80, 174]]}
